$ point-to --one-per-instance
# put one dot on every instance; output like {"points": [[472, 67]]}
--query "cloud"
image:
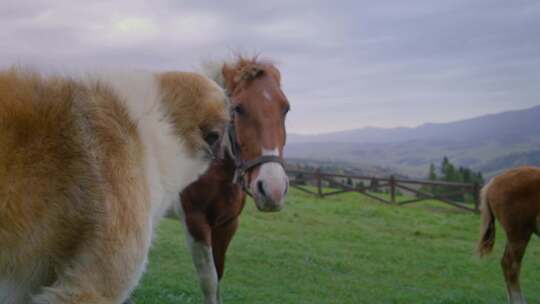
{"points": [[345, 64]]}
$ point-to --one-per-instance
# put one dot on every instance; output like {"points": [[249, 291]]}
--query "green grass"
{"points": [[343, 249]]}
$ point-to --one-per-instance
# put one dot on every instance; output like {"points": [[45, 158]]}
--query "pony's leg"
{"points": [[221, 238], [104, 272], [198, 235], [95, 280], [109, 284], [511, 265]]}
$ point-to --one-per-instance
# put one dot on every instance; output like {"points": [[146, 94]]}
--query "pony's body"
{"points": [[87, 168], [513, 198], [211, 206]]}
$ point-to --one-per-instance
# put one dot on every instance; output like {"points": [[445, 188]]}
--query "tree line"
{"points": [[449, 172]]}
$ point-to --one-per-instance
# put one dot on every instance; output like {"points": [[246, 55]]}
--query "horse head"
{"points": [[257, 132]]}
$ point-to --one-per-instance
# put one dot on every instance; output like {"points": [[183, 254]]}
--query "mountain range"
{"points": [[489, 143]]}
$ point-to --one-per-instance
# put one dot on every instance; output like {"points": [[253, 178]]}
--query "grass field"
{"points": [[345, 249]]}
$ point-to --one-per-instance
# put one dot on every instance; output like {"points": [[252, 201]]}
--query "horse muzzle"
{"points": [[270, 187]]}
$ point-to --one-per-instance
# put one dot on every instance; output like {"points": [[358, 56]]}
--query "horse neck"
{"points": [[227, 168]]}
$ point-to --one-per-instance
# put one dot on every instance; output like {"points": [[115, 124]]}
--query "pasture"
{"points": [[343, 249]]}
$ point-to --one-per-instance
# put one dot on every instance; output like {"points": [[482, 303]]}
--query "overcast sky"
{"points": [[345, 64]]}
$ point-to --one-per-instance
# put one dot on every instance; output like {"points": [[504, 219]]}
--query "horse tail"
{"points": [[487, 228]]}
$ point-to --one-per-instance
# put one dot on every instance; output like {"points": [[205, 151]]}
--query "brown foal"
{"points": [[513, 198], [211, 206]]}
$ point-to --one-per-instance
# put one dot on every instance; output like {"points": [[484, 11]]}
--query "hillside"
{"points": [[489, 143], [345, 249]]}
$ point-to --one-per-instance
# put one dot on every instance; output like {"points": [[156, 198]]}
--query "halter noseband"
{"points": [[242, 167]]}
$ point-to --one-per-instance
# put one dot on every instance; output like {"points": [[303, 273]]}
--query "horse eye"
{"points": [[211, 138], [239, 110], [286, 110]]}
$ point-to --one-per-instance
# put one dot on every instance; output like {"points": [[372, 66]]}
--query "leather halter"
{"points": [[242, 167]]}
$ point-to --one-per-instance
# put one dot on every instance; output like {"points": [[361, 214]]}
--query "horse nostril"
{"points": [[260, 188], [211, 138]]}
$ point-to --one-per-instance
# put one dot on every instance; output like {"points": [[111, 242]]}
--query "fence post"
{"points": [[392, 184], [476, 195], [319, 182]]}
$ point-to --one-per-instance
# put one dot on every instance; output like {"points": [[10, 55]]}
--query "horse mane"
{"points": [[245, 69]]}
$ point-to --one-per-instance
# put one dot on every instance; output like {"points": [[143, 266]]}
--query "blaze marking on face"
{"points": [[267, 95]]}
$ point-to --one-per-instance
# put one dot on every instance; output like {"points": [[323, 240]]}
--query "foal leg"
{"points": [[199, 236], [221, 238], [511, 265]]}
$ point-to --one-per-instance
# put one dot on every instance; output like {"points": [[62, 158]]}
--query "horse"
{"points": [[253, 166], [87, 169], [513, 198]]}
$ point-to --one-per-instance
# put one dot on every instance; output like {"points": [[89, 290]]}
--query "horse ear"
{"points": [[251, 73], [276, 73], [228, 75]]}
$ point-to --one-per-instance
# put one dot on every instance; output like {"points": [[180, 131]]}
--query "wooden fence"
{"points": [[327, 184]]}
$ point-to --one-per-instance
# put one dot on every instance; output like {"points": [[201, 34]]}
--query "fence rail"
{"points": [[342, 183]]}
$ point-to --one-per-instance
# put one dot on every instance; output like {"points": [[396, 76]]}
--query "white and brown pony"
{"points": [[87, 169], [211, 206], [513, 198]]}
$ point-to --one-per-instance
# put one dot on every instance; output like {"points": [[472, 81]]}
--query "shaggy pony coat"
{"points": [[87, 169]]}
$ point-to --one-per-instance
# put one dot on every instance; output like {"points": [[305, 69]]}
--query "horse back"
{"points": [[514, 198]]}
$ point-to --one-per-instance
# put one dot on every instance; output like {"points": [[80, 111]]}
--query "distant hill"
{"points": [[489, 143]]}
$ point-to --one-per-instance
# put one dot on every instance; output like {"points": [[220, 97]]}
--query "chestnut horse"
{"points": [[513, 198], [210, 206]]}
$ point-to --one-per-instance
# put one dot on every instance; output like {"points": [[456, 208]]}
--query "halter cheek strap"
{"points": [[242, 167]]}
